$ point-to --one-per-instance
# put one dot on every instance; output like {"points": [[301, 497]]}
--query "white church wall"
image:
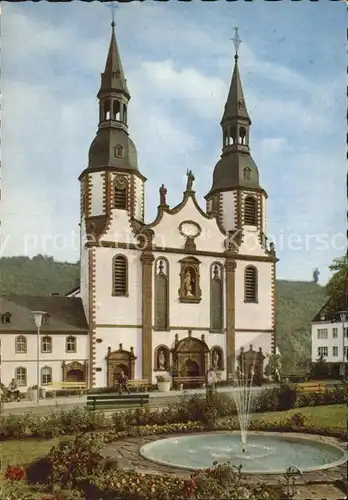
{"points": [[111, 310], [97, 190], [249, 315], [167, 231], [228, 203], [119, 228], [256, 339], [183, 314]]}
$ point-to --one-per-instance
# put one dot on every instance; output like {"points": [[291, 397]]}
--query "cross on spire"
{"points": [[113, 8], [236, 41]]}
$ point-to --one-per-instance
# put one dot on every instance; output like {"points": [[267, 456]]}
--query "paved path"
{"points": [[68, 403]]}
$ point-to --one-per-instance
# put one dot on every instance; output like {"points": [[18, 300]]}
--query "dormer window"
{"points": [[247, 173], [6, 318], [45, 319], [118, 151]]}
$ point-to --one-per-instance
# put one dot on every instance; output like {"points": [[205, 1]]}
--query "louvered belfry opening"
{"points": [[120, 200], [250, 284], [250, 211], [120, 284]]}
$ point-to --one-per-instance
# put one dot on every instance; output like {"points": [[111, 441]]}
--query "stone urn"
{"points": [[32, 393], [164, 383]]}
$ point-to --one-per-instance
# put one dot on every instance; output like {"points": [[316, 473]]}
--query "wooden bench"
{"points": [[112, 401], [310, 387], [79, 387], [182, 381], [141, 384]]}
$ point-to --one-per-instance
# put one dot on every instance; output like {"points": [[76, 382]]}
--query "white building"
{"points": [[330, 336], [184, 292]]}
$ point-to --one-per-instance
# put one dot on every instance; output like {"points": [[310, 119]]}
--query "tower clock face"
{"points": [[190, 229]]}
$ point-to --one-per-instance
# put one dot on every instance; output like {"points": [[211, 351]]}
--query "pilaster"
{"points": [[147, 260], [230, 267]]}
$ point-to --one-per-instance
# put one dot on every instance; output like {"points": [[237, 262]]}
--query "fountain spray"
{"points": [[243, 396]]}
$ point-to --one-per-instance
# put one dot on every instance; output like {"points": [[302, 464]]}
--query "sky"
{"points": [[178, 61]]}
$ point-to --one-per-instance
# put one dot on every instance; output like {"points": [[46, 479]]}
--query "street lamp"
{"points": [[38, 315], [343, 317]]}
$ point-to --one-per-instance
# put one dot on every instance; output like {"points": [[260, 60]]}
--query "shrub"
{"points": [[72, 461]]}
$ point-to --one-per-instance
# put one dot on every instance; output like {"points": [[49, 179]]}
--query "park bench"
{"points": [[79, 387], [310, 387], [113, 401], [141, 384], [189, 381]]}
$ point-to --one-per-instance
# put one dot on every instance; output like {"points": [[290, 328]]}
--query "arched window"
{"points": [[242, 134], [250, 284], [161, 294], [116, 110], [70, 344], [125, 114], [107, 114], [46, 375], [250, 211], [21, 344], [46, 344], [216, 297], [21, 376], [120, 275]]}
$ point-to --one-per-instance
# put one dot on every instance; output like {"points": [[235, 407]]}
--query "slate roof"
{"points": [[66, 314], [328, 312]]}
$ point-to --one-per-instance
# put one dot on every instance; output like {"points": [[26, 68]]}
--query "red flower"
{"points": [[15, 473]]}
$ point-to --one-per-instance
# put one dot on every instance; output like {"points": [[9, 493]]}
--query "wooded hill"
{"points": [[297, 301]]}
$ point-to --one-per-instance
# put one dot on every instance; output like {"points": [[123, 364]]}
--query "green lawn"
{"points": [[335, 415], [21, 452]]}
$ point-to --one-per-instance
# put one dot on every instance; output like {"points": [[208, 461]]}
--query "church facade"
{"points": [[188, 290], [181, 294]]}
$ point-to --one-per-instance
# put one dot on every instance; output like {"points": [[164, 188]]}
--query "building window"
{"points": [[334, 333], [250, 211], [322, 333], [334, 350], [6, 318], [21, 344], [247, 173], [46, 375], [21, 376], [346, 332], [118, 151], [46, 345], [346, 352], [323, 352], [216, 298], [120, 275], [250, 284], [120, 192], [45, 319], [70, 345]]}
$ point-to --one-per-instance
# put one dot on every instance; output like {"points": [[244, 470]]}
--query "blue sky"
{"points": [[178, 61]]}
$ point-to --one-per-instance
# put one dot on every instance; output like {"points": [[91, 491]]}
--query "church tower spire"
{"points": [[236, 176], [235, 122]]}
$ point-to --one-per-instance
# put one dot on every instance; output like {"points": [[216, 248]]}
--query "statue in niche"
{"points": [[188, 284], [163, 195], [161, 360], [216, 360], [190, 180]]}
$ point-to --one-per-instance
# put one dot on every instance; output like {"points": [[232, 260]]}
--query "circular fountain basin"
{"points": [[266, 453]]}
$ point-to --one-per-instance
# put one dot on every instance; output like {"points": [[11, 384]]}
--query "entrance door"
{"points": [[74, 376]]}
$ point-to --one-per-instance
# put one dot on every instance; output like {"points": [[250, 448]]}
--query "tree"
{"points": [[316, 274], [337, 286]]}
